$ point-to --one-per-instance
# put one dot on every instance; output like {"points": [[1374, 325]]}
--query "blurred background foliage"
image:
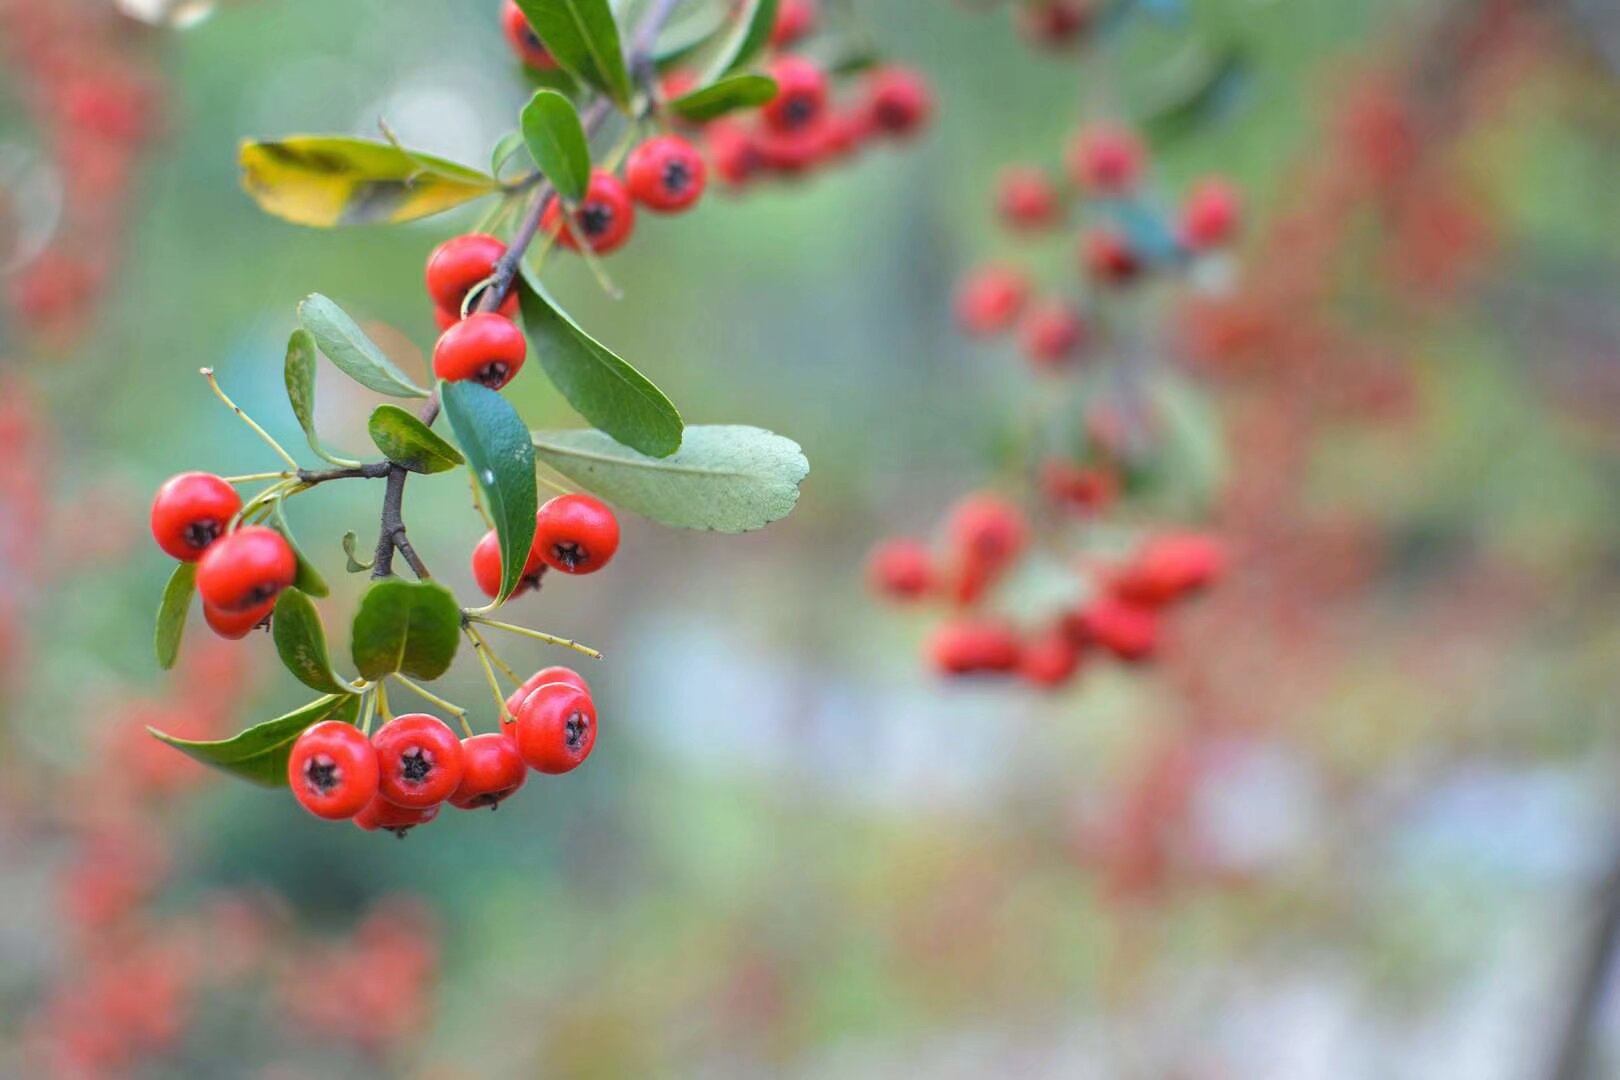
{"points": [[795, 852]]}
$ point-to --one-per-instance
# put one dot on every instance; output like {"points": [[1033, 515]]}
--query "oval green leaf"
{"points": [[301, 643], [729, 94], [609, 393], [260, 753], [556, 141], [755, 20], [501, 457], [355, 354], [411, 627], [724, 478], [407, 441], [327, 180], [583, 37], [299, 375], [171, 617]]}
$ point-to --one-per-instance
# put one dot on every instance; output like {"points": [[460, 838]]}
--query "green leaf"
{"points": [[556, 141], [407, 626], [355, 354], [501, 458], [609, 393], [748, 36], [301, 643], [407, 441], [509, 144], [729, 94], [309, 579], [724, 478], [354, 566], [260, 753], [1204, 87], [299, 375], [689, 33], [171, 617], [583, 37], [327, 180]]}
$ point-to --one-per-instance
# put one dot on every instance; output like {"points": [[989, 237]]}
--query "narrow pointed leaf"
{"points": [[327, 180], [609, 393], [501, 458], [729, 94], [260, 753], [301, 643], [407, 441], [412, 627], [299, 375], [309, 579], [723, 478], [556, 141], [749, 34], [171, 618], [583, 37], [355, 354]]}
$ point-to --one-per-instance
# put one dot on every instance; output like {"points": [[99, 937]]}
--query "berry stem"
{"points": [[538, 635], [481, 648], [427, 695], [494, 658], [208, 373], [552, 484], [382, 701], [368, 710], [251, 478]]}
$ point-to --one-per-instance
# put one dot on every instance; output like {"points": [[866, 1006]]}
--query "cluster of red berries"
{"points": [[576, 534], [985, 537], [398, 778], [241, 569], [1104, 171]]}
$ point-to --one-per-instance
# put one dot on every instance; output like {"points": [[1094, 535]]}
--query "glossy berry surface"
{"points": [[556, 728], [492, 769], [577, 534], [899, 101], [333, 770], [459, 264], [556, 674], [666, 174], [486, 568], [235, 625], [485, 347], [522, 38], [801, 94], [389, 817], [190, 512], [245, 569], [419, 758], [605, 217]]}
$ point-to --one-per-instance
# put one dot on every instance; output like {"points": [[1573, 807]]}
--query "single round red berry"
{"points": [[419, 758], [576, 534], [1210, 216], [486, 568], [605, 217], [1169, 567], [1049, 660], [236, 625], [733, 151], [794, 20], [484, 347], [801, 94], [792, 151], [556, 728], [1106, 159], [898, 101], [971, 646], [1055, 23], [901, 569], [1089, 488], [1129, 631], [333, 770], [399, 820], [1051, 333], [666, 174], [1025, 198], [524, 41], [985, 528], [989, 299], [190, 512], [557, 674], [457, 266], [1109, 257], [492, 769], [245, 569]]}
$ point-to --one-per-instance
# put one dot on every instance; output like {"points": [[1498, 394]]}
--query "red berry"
{"points": [[1128, 631], [190, 512], [460, 263], [1210, 216], [794, 20], [898, 100], [801, 94], [1106, 159], [514, 702], [901, 569], [1108, 256], [1085, 488], [970, 646], [399, 820], [486, 568], [1168, 568], [665, 174], [1049, 660], [1055, 23], [492, 769], [989, 299], [985, 528], [576, 534], [236, 625], [792, 152], [420, 760], [733, 151], [333, 770], [843, 132], [1051, 332], [245, 569], [524, 41], [484, 347], [1025, 198], [556, 728], [605, 217]]}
